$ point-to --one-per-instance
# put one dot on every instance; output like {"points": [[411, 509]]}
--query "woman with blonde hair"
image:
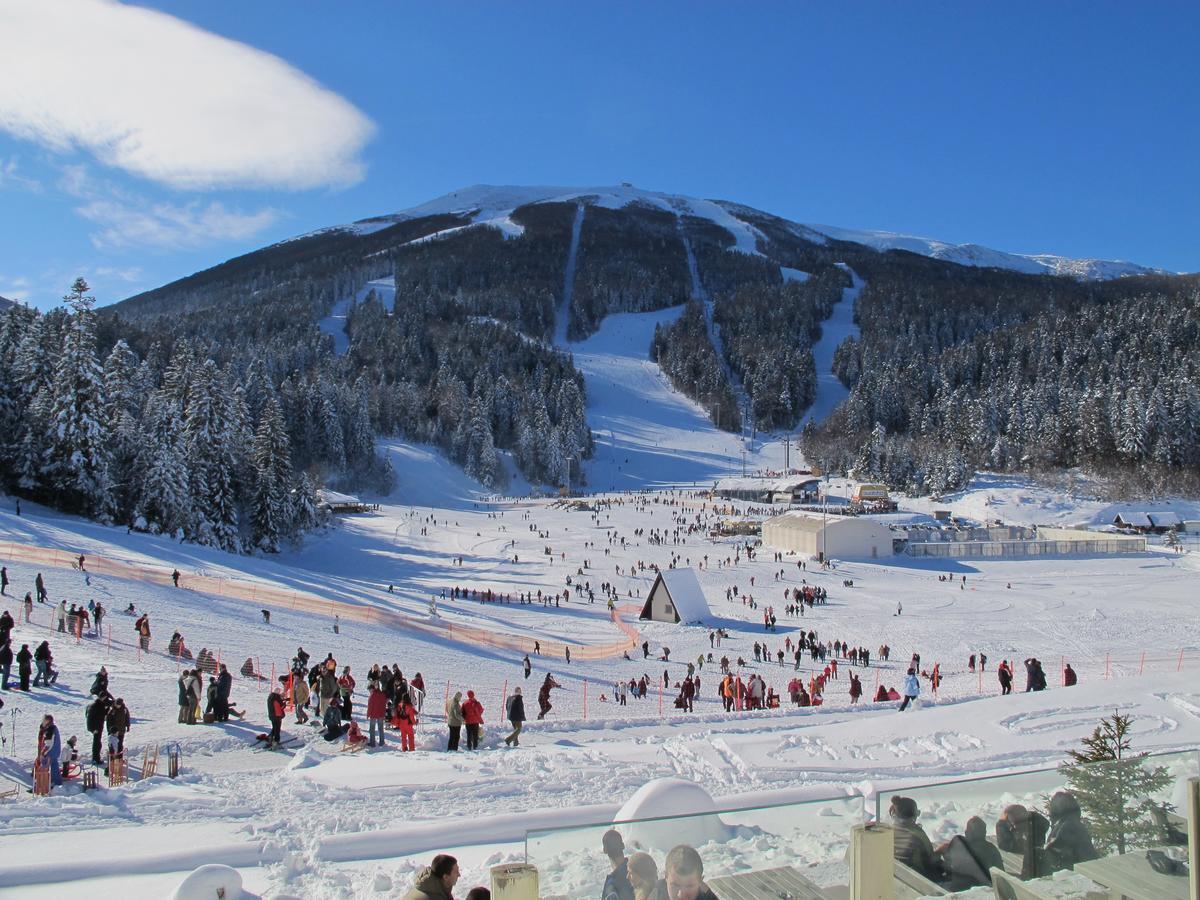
{"points": [[643, 876]]}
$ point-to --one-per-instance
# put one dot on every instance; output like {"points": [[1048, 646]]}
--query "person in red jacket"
{"points": [[275, 711], [376, 713], [472, 712], [404, 717]]}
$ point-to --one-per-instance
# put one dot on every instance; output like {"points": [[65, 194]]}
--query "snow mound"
{"points": [[305, 759], [690, 816], [210, 882]]}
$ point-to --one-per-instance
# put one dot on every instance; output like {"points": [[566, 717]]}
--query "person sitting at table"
{"points": [[683, 879], [911, 844], [968, 858], [643, 876], [1069, 841], [1020, 830]]}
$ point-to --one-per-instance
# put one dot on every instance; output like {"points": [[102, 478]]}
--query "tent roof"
{"points": [[686, 594], [802, 520], [767, 485]]}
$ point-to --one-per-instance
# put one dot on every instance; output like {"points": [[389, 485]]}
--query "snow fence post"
{"points": [[1106, 666], [585, 699], [1142, 664], [1178, 666], [503, 701], [110, 643]]}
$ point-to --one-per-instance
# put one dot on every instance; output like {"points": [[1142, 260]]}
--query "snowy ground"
{"points": [[314, 823]]}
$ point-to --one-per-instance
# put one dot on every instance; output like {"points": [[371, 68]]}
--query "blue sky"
{"points": [[145, 142]]}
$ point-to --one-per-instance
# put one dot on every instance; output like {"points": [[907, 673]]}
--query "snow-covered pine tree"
{"points": [[272, 514], [76, 452]]}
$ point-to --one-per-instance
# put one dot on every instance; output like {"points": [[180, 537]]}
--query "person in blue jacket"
{"points": [[912, 689], [50, 748]]}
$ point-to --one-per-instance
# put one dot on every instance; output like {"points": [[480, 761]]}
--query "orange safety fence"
{"points": [[270, 595]]}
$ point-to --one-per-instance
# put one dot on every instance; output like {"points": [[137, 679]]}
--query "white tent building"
{"points": [[834, 537], [676, 596]]}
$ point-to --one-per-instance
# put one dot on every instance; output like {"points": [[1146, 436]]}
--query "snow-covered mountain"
{"points": [[492, 205], [975, 255]]}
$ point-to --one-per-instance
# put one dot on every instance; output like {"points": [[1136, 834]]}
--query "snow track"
{"points": [[564, 308], [834, 331]]}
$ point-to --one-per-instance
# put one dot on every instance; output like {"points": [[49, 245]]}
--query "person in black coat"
{"points": [[516, 717], [100, 683], [1069, 841], [24, 666], [6, 661], [118, 722], [6, 626], [43, 658], [97, 712], [224, 686]]}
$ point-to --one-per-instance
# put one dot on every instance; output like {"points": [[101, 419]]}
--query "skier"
{"points": [[175, 578], [544, 705], [40, 586], [275, 712], [528, 665], [3, 579]]}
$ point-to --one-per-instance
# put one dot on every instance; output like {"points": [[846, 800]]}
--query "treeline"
{"points": [[176, 440], [471, 386], [629, 260], [988, 369], [687, 357]]}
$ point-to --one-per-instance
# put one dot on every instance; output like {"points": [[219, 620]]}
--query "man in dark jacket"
{"points": [[516, 717], [117, 722], [969, 858], [911, 844], [97, 712], [437, 881], [616, 884], [6, 661], [24, 666], [1069, 841], [224, 686]]}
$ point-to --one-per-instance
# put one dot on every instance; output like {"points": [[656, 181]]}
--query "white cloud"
{"points": [[170, 225], [130, 220], [165, 100], [130, 273], [11, 177]]}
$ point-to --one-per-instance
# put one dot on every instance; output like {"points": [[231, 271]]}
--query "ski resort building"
{"points": [[676, 596], [1148, 522], [828, 537], [1044, 542], [794, 488]]}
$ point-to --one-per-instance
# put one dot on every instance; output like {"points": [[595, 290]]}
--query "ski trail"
{"points": [[839, 326], [714, 333], [334, 324], [564, 309]]}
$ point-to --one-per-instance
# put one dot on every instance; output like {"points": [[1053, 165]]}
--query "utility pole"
{"points": [[743, 462]]}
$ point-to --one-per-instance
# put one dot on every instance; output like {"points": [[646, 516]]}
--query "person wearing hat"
{"points": [[616, 884], [911, 844], [516, 717]]}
